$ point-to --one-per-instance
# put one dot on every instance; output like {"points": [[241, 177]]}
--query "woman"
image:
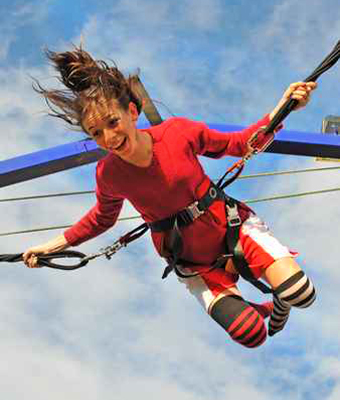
{"points": [[144, 163]]}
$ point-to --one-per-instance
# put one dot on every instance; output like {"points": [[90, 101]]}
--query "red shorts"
{"points": [[260, 248]]}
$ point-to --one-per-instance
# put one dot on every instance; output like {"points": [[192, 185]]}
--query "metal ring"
{"points": [[213, 192]]}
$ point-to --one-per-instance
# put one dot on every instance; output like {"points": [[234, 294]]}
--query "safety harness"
{"points": [[173, 224], [187, 216]]}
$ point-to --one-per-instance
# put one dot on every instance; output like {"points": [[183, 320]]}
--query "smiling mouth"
{"points": [[120, 146]]}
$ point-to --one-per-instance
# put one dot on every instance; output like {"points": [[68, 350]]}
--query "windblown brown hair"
{"points": [[86, 80]]}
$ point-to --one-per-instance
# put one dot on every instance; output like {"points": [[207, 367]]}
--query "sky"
{"points": [[114, 329]]}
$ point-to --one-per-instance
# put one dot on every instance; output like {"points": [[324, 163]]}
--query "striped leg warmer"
{"points": [[244, 323], [297, 291]]}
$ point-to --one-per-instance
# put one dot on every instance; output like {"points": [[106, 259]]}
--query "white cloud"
{"points": [[297, 30], [16, 16]]}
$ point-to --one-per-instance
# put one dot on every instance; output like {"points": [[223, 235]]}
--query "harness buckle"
{"points": [[193, 211], [233, 215], [109, 251]]}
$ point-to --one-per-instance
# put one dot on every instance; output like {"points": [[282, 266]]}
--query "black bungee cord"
{"points": [[46, 260], [289, 106], [269, 131]]}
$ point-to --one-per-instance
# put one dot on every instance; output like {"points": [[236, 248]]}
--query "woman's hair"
{"points": [[86, 80]]}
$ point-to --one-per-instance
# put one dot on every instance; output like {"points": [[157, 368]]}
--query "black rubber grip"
{"points": [[46, 260]]}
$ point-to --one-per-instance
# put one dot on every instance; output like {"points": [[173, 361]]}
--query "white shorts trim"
{"points": [[258, 231]]}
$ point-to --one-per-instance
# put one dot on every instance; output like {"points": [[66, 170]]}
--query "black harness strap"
{"points": [[189, 214], [174, 223], [134, 234], [234, 246], [45, 260]]}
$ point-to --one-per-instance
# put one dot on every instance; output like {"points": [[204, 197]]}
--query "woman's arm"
{"points": [[215, 144], [102, 216]]}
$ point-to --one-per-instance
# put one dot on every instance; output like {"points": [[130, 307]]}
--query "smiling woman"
{"points": [[114, 129], [157, 169], [102, 102]]}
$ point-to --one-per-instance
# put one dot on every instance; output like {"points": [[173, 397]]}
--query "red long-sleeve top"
{"points": [[174, 180]]}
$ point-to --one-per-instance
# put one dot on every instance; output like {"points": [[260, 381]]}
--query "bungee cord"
{"points": [[289, 106], [265, 136], [46, 260]]}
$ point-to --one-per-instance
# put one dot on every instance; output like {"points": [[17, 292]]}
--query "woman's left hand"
{"points": [[300, 91]]}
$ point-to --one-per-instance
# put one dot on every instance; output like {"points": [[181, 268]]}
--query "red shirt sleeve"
{"points": [[102, 216], [216, 144]]}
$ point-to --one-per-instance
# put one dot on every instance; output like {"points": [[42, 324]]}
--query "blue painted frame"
{"points": [[75, 154]]}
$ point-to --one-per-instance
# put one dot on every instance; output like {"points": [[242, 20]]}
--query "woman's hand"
{"points": [[300, 91], [30, 256]]}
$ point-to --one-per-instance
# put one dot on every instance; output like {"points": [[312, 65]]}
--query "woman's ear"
{"points": [[133, 111]]}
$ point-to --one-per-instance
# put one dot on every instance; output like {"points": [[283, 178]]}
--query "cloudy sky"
{"points": [[114, 329]]}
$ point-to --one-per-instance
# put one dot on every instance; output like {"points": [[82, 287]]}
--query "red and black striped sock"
{"points": [[265, 309], [243, 322]]}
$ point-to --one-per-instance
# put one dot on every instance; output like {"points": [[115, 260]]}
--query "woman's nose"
{"points": [[108, 137], [108, 133], [101, 140]]}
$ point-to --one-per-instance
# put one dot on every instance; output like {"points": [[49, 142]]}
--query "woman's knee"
{"points": [[243, 323], [297, 291], [290, 284], [280, 270]]}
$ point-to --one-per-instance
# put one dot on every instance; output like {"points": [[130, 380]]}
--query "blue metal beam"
{"points": [[49, 161], [306, 144], [75, 154]]}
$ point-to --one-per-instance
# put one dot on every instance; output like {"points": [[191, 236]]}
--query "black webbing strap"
{"points": [[234, 246], [46, 259], [136, 233], [176, 248], [174, 223], [290, 104], [189, 214]]}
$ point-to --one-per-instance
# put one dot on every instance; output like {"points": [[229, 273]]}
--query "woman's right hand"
{"points": [[30, 255]]}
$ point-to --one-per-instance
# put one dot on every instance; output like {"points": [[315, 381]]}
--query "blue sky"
{"points": [[114, 328]]}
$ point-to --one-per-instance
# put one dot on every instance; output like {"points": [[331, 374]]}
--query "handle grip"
{"points": [[46, 260]]}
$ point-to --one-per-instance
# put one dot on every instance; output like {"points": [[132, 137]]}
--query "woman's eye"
{"points": [[95, 134], [113, 121]]}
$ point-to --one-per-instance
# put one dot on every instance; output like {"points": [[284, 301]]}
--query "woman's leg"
{"points": [[274, 262], [291, 288], [244, 322]]}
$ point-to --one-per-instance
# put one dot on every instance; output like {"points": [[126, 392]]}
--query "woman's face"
{"points": [[113, 128]]}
